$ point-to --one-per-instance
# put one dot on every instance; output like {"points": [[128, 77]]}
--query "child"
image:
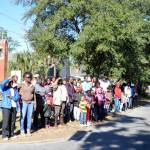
{"points": [[90, 100], [76, 110], [108, 97], [93, 107], [48, 109], [123, 102], [83, 111]]}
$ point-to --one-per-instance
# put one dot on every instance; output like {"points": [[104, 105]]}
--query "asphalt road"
{"points": [[130, 131]]}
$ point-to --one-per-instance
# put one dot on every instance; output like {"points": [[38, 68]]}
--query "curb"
{"points": [[37, 141]]}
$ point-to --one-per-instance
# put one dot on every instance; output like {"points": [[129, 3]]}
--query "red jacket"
{"points": [[117, 92]]}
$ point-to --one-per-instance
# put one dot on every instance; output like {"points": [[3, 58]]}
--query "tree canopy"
{"points": [[29, 61], [110, 37]]}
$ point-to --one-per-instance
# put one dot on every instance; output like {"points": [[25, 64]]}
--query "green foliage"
{"points": [[29, 61], [110, 37]]}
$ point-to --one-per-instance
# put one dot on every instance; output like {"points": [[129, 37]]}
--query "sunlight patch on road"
{"points": [[114, 146]]}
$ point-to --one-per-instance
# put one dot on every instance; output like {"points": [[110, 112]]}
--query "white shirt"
{"points": [[13, 103], [104, 84], [127, 91]]}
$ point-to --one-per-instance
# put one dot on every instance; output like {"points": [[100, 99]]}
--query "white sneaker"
{"points": [[22, 134], [85, 125], [29, 133], [81, 125], [88, 123], [14, 137], [5, 139]]}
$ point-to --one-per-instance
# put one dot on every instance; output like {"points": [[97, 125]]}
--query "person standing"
{"points": [[76, 110], [128, 93], [70, 104], [6, 107], [83, 111], [86, 85], [15, 97], [60, 97], [40, 93], [28, 102], [117, 96], [100, 100]]}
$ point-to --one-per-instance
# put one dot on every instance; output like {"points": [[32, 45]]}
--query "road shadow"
{"points": [[140, 101], [116, 138], [112, 140]]}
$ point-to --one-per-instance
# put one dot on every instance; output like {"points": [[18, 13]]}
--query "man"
{"points": [[28, 102]]}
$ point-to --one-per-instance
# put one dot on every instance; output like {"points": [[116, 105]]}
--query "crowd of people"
{"points": [[54, 102]]}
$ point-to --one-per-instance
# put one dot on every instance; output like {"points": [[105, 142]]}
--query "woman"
{"points": [[7, 98], [100, 100], [60, 97]]}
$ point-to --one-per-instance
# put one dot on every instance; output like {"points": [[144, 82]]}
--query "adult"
{"points": [[86, 85], [7, 98], [14, 78], [60, 97], [28, 102], [35, 79], [14, 108], [94, 81], [128, 94], [133, 94], [40, 92], [15, 104], [100, 100], [51, 71], [70, 104], [117, 96]]}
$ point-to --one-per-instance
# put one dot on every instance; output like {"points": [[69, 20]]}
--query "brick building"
{"points": [[3, 59]]}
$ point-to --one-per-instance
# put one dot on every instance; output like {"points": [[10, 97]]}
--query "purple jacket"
{"points": [[71, 91]]}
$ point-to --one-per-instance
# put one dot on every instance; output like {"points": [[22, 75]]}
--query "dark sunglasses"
{"points": [[28, 77]]}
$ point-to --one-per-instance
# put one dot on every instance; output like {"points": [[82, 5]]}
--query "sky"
{"points": [[11, 19]]}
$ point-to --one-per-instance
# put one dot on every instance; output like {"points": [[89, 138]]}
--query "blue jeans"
{"points": [[70, 107], [117, 104], [83, 118], [130, 102], [126, 106], [27, 108]]}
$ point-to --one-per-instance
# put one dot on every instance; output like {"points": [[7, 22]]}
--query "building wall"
{"points": [[3, 59]]}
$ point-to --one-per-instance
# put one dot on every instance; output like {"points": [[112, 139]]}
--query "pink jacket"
{"points": [[99, 94]]}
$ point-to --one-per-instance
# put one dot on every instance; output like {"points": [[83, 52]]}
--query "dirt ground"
{"points": [[51, 133], [57, 133]]}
